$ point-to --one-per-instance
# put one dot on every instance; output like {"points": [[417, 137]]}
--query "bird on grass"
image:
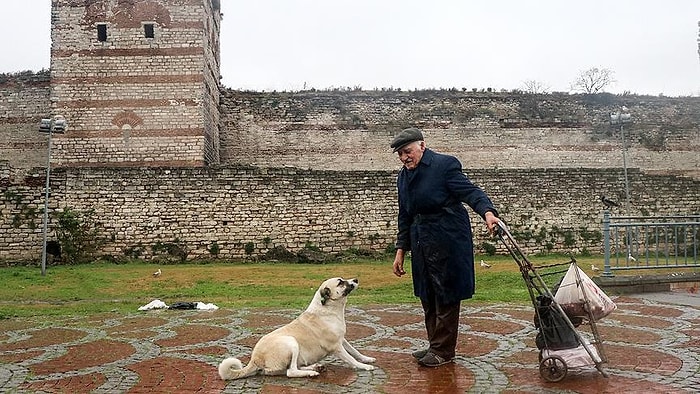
{"points": [[594, 268], [484, 264], [630, 257], [608, 202], [157, 273]]}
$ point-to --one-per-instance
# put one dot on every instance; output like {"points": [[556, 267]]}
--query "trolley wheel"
{"points": [[553, 369]]}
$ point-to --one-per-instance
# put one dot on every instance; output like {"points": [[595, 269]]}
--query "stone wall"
{"points": [[24, 101], [314, 169], [351, 130], [246, 211], [211, 75]]}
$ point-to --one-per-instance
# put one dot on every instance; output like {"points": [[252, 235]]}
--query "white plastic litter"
{"points": [[155, 304], [210, 306], [158, 304]]}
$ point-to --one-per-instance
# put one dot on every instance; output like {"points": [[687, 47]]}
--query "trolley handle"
{"points": [[501, 228]]}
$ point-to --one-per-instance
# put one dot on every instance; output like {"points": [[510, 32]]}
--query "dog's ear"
{"points": [[325, 295]]}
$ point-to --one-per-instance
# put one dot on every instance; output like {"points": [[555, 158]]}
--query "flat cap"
{"points": [[406, 136]]}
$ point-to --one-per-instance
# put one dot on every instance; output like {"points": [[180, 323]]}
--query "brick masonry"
{"points": [[167, 84]]}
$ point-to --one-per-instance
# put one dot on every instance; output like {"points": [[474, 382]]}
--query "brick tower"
{"points": [[137, 81]]}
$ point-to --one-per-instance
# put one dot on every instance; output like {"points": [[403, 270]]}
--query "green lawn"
{"points": [[104, 287]]}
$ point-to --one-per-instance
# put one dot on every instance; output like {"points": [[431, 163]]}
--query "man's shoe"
{"points": [[418, 354], [433, 360]]}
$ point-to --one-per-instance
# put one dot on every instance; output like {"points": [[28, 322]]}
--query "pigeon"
{"points": [[484, 264], [594, 268], [157, 273], [607, 202]]}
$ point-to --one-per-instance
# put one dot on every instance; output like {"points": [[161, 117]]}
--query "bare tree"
{"points": [[535, 87], [593, 80]]}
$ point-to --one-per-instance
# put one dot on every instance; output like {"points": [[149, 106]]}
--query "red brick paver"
{"points": [[651, 347]]}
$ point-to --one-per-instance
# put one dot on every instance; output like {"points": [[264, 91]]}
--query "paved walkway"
{"points": [[652, 346]]}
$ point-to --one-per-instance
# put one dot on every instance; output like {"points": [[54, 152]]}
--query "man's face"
{"points": [[410, 154]]}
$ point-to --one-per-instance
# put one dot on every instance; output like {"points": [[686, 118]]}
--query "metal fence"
{"points": [[650, 242]]}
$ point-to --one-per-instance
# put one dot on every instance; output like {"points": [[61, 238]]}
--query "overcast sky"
{"points": [[650, 45]]}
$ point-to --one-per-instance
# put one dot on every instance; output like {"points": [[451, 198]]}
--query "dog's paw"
{"points": [[365, 367], [314, 367], [366, 359], [301, 373]]}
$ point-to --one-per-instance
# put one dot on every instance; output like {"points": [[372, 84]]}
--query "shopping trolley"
{"points": [[561, 344]]}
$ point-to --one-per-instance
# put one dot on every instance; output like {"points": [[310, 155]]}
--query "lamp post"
{"points": [[620, 118], [57, 124]]}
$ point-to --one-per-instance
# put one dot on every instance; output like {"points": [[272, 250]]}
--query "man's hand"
{"points": [[491, 222], [398, 263]]}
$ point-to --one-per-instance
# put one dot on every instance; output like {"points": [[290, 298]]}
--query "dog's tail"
{"points": [[232, 368]]}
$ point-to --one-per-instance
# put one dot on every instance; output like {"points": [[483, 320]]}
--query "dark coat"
{"points": [[434, 225]]}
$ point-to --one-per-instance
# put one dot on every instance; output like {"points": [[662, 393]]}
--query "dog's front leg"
{"points": [[343, 354], [356, 354], [314, 367]]}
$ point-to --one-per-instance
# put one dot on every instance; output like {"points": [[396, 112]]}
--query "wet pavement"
{"points": [[652, 344]]}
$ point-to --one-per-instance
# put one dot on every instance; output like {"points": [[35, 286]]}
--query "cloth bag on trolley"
{"points": [[570, 295], [553, 332]]}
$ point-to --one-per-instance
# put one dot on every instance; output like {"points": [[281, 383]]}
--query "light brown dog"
{"points": [[296, 348]]}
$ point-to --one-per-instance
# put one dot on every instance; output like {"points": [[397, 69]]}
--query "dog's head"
{"points": [[336, 289]]}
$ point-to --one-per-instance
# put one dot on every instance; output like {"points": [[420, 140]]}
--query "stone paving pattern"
{"points": [[651, 346]]}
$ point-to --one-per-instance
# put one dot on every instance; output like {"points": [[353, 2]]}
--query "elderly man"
{"points": [[433, 225]]}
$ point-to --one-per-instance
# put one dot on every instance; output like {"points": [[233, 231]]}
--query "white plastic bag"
{"points": [[155, 304], [570, 295]]}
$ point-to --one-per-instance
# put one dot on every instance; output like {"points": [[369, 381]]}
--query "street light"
{"points": [[57, 125], [620, 118]]}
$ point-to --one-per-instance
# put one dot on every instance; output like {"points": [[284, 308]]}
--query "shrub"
{"points": [[134, 251], [249, 248], [169, 251], [489, 248], [79, 235], [214, 248], [569, 239]]}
